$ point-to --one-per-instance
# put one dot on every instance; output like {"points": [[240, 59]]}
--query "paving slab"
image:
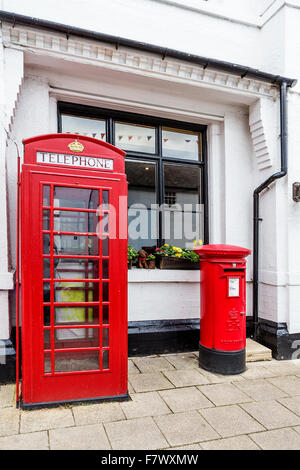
{"points": [[279, 368], [132, 369], [7, 395], [292, 403], [279, 439], [255, 371], [260, 389], [297, 428], [41, 420], [185, 399], [98, 413], [231, 420], [271, 414], [231, 443], [220, 379], [135, 434], [130, 388], [152, 364], [289, 384], [90, 437], [185, 428], [149, 382], [9, 421], [185, 378], [188, 447], [224, 394], [144, 404], [183, 361], [30, 441], [257, 352]]}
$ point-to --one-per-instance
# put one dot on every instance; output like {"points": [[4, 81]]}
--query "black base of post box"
{"points": [[222, 362]]}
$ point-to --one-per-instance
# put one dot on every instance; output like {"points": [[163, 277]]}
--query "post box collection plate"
{"points": [[74, 271]]}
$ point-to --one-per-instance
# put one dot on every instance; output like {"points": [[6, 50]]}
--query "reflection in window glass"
{"points": [[47, 363], [75, 245], [183, 213], [105, 314], [76, 291], [105, 290], [142, 204], [135, 138], [70, 314], [178, 143], [76, 198], [70, 361], [73, 338], [47, 339], [105, 337], [46, 195], [73, 221], [84, 126], [105, 359], [75, 268], [105, 269], [105, 246]]}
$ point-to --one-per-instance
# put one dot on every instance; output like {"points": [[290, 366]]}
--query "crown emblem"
{"points": [[76, 146]]}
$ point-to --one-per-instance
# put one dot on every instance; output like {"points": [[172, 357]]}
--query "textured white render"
{"points": [[242, 117]]}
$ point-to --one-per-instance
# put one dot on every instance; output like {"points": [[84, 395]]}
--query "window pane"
{"points": [[84, 126], [135, 138], [105, 314], [76, 198], [71, 221], [76, 292], [63, 315], [65, 338], [46, 195], [74, 268], [46, 220], [105, 359], [70, 361], [142, 204], [183, 211], [75, 245], [178, 143], [47, 363]]}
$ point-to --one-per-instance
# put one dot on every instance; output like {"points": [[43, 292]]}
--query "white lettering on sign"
{"points": [[93, 163], [233, 287]]}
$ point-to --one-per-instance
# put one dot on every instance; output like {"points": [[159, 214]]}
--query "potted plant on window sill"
{"points": [[151, 261], [172, 257], [131, 256]]}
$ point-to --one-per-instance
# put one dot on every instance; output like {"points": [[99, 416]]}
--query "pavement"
{"points": [[174, 405]]}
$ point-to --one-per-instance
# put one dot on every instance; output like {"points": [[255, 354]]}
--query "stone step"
{"points": [[257, 352]]}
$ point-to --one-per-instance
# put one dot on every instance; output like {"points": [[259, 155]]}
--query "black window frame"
{"points": [[111, 116]]}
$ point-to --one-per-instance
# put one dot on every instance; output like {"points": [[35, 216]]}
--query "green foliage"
{"points": [[174, 251], [131, 253]]}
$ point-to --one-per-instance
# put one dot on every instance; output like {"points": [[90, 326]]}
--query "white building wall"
{"points": [[260, 34]]}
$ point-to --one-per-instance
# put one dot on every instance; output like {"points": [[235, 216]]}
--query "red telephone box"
{"points": [[74, 270], [222, 347]]}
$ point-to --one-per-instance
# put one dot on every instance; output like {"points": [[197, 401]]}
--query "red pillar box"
{"points": [[74, 271], [222, 347]]}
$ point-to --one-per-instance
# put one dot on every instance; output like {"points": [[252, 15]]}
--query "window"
{"points": [[166, 171]]}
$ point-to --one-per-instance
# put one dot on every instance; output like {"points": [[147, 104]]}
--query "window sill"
{"points": [[136, 275]]}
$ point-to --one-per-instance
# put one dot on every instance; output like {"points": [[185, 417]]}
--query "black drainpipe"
{"points": [[256, 193]]}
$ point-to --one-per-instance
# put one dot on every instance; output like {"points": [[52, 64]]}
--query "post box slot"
{"points": [[234, 270]]}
